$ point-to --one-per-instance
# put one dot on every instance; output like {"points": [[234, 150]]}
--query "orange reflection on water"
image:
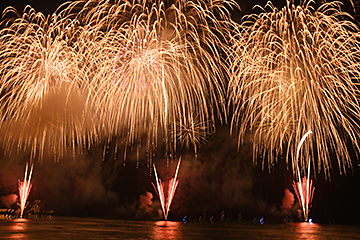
{"points": [[18, 228], [167, 230], [307, 230]]}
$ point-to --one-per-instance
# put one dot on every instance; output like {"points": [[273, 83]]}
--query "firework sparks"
{"points": [[193, 132], [160, 192], [304, 192], [24, 190], [42, 95], [303, 188], [133, 68], [173, 183], [295, 69], [159, 62]]}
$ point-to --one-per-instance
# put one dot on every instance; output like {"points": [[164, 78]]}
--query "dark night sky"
{"points": [[221, 178]]}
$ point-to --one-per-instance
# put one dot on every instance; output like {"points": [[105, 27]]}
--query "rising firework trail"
{"points": [[24, 190], [173, 183], [160, 192], [304, 191], [295, 69], [303, 188]]}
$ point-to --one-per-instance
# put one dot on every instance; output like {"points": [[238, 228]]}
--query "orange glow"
{"points": [[167, 230], [307, 230], [18, 228]]}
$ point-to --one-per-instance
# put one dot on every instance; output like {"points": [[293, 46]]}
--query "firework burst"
{"points": [[156, 63], [191, 133], [43, 98], [295, 69], [98, 70]]}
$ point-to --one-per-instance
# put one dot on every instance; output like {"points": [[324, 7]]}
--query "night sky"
{"points": [[221, 178]]}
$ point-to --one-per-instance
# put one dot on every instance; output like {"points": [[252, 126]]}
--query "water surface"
{"points": [[93, 228]]}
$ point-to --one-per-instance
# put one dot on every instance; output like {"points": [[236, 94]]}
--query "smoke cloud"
{"points": [[287, 202], [145, 205], [8, 200]]}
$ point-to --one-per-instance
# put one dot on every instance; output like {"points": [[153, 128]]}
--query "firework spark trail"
{"points": [[295, 69], [173, 183], [24, 190], [160, 192], [303, 188]]}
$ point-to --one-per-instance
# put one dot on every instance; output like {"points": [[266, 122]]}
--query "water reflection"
{"points": [[167, 230], [307, 230], [18, 228]]}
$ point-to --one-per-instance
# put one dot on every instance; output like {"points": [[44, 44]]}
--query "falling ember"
{"points": [[173, 183], [24, 189], [303, 188]]}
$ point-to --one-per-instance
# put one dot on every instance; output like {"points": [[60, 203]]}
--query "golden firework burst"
{"points": [[295, 69]]}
